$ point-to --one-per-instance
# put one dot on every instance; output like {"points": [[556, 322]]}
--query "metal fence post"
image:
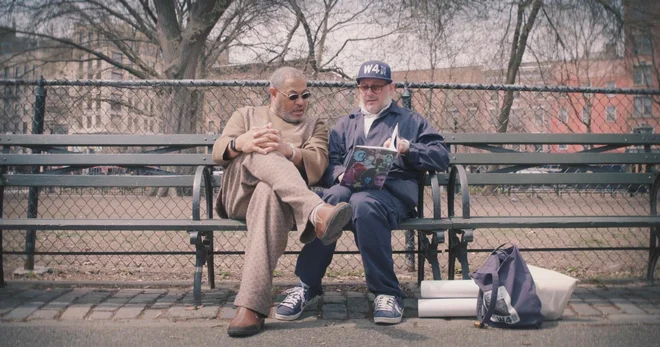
{"points": [[33, 193], [406, 97]]}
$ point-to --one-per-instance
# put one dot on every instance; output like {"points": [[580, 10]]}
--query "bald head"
{"points": [[279, 77]]}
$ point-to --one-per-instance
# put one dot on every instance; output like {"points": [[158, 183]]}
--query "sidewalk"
{"points": [[22, 302]]}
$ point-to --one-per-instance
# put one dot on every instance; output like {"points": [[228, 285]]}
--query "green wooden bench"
{"points": [[587, 166], [52, 154]]}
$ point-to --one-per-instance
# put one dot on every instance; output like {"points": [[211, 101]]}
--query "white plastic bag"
{"points": [[554, 290]]}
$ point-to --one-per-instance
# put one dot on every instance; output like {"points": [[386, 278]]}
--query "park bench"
{"points": [[49, 162], [501, 158]]}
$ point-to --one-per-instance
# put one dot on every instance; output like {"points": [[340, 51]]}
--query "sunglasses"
{"points": [[294, 96], [376, 89]]}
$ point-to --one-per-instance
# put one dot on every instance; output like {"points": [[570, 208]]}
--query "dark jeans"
{"points": [[375, 214]]}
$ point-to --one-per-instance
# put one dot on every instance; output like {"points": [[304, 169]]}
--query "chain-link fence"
{"points": [[153, 107]]}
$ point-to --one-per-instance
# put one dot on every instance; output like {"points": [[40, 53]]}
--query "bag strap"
{"points": [[493, 301]]}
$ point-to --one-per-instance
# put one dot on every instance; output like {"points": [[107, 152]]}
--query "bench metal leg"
{"points": [[2, 264], [410, 247], [200, 259], [458, 250], [432, 257], [654, 254], [428, 251], [422, 245], [209, 260]]}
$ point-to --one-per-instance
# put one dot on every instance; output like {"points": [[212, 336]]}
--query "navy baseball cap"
{"points": [[375, 69]]}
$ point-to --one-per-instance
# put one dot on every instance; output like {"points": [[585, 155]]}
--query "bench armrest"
{"points": [[202, 174], [458, 170]]}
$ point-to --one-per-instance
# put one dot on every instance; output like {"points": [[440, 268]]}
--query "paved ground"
{"points": [[33, 313], [26, 302]]}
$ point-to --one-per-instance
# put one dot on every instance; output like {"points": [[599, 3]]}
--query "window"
{"points": [[89, 121], [89, 102], [643, 106], [146, 125], [151, 125], [129, 123], [586, 114], [17, 72], [610, 85], [80, 69], [563, 115], [642, 44], [7, 72], [116, 75], [538, 117], [81, 37], [642, 75], [98, 102], [97, 120], [25, 127], [610, 114], [118, 57], [80, 121], [90, 37], [115, 102], [212, 126]]}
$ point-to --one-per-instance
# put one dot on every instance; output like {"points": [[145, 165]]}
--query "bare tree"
{"points": [[332, 28], [185, 36]]}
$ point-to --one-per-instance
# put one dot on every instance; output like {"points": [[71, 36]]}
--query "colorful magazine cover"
{"points": [[369, 165]]}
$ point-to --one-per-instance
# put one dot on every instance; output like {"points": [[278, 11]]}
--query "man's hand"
{"points": [[261, 140], [403, 147]]}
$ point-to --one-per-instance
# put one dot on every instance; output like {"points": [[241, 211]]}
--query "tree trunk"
{"points": [[518, 45]]}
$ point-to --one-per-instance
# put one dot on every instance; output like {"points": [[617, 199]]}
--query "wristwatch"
{"points": [[293, 151], [232, 146]]}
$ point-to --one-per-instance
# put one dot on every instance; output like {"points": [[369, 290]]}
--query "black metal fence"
{"points": [[151, 107]]}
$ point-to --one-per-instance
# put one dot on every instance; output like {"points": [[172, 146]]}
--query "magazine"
{"points": [[369, 165]]}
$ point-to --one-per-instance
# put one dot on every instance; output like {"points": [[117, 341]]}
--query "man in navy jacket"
{"points": [[376, 212]]}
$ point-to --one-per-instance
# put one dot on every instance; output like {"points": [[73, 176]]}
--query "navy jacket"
{"points": [[427, 149]]}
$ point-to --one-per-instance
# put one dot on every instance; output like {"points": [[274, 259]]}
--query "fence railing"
{"points": [[152, 107]]}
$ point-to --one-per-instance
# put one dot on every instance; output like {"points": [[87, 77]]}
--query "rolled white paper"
{"points": [[460, 307], [449, 289]]}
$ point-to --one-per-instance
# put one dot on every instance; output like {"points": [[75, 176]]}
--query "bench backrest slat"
{"points": [[554, 178], [552, 139], [127, 181], [553, 158], [127, 159], [109, 140]]}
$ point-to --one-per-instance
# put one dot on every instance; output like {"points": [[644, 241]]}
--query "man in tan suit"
{"points": [[270, 155]]}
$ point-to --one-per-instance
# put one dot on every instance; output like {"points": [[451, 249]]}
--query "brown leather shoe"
{"points": [[330, 220], [245, 323]]}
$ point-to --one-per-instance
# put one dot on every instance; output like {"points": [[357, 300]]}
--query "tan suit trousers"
{"points": [[270, 194]]}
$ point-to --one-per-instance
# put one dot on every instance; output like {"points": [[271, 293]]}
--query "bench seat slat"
{"points": [[412, 224], [553, 158], [170, 224], [555, 222]]}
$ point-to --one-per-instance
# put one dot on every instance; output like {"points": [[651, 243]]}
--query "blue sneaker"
{"points": [[388, 309], [293, 305]]}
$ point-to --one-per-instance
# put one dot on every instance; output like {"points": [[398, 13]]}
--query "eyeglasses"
{"points": [[376, 89], [294, 96]]}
